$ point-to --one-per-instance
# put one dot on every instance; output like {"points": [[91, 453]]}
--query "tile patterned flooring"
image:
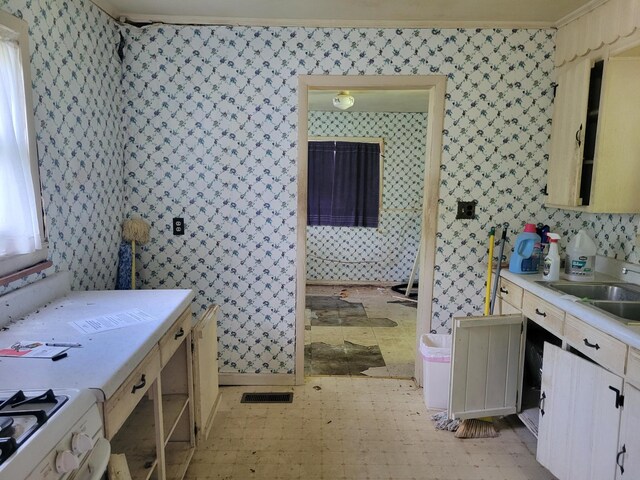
{"points": [[352, 428], [339, 342]]}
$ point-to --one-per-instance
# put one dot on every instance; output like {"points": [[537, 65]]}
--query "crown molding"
{"points": [[324, 23], [586, 8], [107, 7]]}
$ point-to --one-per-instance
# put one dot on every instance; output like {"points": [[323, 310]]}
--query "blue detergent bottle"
{"points": [[526, 256]]}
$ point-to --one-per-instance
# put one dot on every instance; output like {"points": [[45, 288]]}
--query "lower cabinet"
{"points": [[580, 406], [628, 457], [151, 417], [586, 417]]}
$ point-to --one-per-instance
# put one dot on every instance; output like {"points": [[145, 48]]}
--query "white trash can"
{"points": [[436, 364]]}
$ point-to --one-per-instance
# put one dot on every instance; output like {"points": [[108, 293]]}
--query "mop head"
{"points": [[135, 230], [443, 422]]}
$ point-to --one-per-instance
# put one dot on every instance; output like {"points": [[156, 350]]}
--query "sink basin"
{"points": [[628, 311], [615, 292]]}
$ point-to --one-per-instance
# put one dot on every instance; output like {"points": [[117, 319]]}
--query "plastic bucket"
{"points": [[435, 350]]}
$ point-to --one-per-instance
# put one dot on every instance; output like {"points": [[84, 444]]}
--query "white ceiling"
{"points": [[372, 100], [380, 13]]}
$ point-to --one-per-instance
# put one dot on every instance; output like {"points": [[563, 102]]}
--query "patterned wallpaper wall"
{"points": [[386, 253], [77, 97], [210, 122], [212, 137]]}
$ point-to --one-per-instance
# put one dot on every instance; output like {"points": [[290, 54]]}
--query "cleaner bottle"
{"points": [[581, 258], [551, 272], [526, 257]]}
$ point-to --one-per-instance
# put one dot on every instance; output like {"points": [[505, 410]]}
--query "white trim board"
{"points": [[256, 379], [435, 85]]}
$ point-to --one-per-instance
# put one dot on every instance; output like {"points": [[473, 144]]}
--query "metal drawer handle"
{"points": [[541, 404], [620, 454], [578, 141], [504, 290], [591, 345], [143, 382], [179, 334], [542, 314]]}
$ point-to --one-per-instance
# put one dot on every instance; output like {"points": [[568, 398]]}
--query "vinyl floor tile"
{"points": [[353, 428]]}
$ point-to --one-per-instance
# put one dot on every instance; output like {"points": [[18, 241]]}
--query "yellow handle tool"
{"points": [[487, 298]]}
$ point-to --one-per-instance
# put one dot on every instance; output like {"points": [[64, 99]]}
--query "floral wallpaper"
{"points": [[77, 99], [385, 254], [206, 118], [211, 128]]}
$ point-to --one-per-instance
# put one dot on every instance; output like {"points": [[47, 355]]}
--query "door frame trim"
{"points": [[435, 85]]}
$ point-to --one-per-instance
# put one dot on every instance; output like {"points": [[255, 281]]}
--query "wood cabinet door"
{"points": [[628, 458], [567, 134], [579, 417], [205, 372], [485, 366]]}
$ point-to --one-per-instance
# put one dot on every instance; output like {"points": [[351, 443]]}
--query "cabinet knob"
{"points": [[619, 456], [579, 136], [542, 314], [591, 345], [504, 290], [141, 384], [179, 334]]}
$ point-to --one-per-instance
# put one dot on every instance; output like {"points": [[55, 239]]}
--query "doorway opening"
{"points": [[355, 318]]}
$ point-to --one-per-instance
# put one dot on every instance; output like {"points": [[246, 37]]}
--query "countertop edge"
{"points": [[571, 305]]}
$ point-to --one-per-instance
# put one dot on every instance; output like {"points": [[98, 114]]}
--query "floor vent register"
{"points": [[267, 397]]}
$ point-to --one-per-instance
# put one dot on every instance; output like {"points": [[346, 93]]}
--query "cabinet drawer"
{"points": [[121, 404], [543, 313], [176, 334], [511, 293], [633, 367], [597, 345]]}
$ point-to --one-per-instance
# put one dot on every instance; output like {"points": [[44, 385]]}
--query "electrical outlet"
{"points": [[178, 226], [466, 210]]}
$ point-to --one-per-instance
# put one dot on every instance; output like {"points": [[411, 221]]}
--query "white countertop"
{"points": [[627, 334], [105, 359]]}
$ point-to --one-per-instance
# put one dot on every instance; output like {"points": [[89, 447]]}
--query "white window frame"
{"points": [[15, 29]]}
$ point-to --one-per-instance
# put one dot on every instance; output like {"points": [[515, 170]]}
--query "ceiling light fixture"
{"points": [[343, 100]]}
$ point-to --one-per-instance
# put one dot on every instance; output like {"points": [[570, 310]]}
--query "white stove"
{"points": [[51, 435]]}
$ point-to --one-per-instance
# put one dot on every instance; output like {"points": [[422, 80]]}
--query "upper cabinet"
{"points": [[594, 159]]}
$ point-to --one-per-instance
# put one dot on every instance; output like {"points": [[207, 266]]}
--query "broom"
{"points": [[481, 427], [135, 230]]}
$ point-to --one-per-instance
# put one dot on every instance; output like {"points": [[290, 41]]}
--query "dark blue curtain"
{"points": [[344, 184]]}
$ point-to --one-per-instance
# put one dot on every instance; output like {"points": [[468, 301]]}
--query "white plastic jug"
{"points": [[580, 265]]}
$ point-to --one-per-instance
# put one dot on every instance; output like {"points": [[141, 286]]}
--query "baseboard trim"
{"points": [[257, 379], [349, 283]]}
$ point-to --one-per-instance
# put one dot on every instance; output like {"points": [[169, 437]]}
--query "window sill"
{"points": [[38, 267]]}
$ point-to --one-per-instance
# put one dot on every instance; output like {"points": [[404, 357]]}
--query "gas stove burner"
{"points": [[21, 415], [46, 397], [5, 425]]}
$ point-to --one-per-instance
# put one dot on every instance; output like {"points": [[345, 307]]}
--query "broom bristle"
{"points": [[473, 428], [135, 229]]}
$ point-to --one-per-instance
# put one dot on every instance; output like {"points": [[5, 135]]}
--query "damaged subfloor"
{"points": [[359, 330]]}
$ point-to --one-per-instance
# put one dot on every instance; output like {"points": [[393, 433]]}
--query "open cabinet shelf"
{"points": [[137, 440], [174, 407], [177, 458]]}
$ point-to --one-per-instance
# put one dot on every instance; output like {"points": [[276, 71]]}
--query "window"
{"points": [[344, 183], [22, 239]]}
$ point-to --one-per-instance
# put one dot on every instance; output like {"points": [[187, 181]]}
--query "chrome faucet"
{"points": [[626, 270]]}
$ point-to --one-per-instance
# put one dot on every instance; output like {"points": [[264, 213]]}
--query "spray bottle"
{"points": [[551, 271]]}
